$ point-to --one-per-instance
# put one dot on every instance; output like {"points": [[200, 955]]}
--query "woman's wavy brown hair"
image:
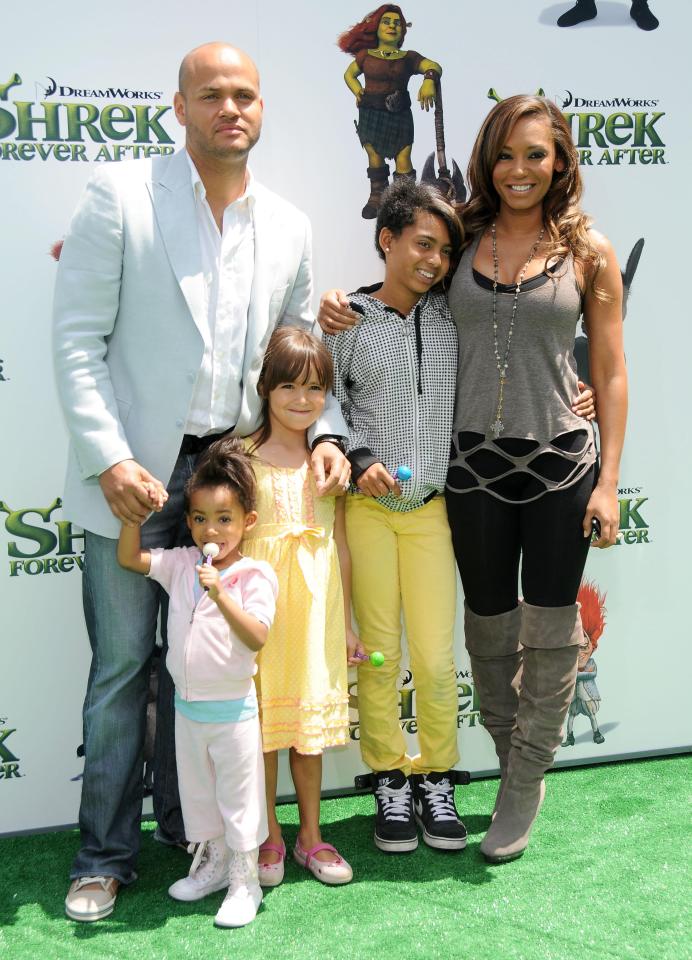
{"points": [[567, 226]]}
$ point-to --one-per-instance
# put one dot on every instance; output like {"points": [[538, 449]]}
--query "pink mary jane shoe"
{"points": [[332, 872], [271, 874]]}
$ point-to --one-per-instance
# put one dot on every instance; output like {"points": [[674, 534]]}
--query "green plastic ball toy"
{"points": [[377, 658]]}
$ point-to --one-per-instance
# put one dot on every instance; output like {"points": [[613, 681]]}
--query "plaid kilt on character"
{"points": [[388, 133]]}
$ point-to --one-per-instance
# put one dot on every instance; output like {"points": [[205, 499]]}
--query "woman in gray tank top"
{"points": [[524, 488]]}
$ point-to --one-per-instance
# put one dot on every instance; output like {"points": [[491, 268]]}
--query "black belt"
{"points": [[192, 445]]}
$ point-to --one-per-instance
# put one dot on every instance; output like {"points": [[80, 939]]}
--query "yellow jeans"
{"points": [[405, 560]]}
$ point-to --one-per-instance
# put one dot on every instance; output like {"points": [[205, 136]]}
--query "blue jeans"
{"points": [[121, 610]]}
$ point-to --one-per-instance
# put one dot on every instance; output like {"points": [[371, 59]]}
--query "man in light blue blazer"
{"points": [[174, 273]]}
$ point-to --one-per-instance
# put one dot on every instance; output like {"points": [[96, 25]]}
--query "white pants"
{"points": [[221, 781]]}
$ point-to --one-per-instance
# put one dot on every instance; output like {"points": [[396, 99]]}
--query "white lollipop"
{"points": [[210, 550]]}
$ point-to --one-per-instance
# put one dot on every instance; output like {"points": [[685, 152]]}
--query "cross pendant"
{"points": [[496, 428]]}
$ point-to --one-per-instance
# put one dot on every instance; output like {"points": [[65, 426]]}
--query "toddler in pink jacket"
{"points": [[221, 606]]}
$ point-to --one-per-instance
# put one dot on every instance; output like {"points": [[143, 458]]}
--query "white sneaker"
{"points": [[208, 873], [244, 895]]}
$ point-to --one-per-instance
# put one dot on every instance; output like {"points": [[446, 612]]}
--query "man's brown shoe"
{"points": [[91, 898]]}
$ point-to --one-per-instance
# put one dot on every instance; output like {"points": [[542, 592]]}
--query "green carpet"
{"points": [[607, 875]]}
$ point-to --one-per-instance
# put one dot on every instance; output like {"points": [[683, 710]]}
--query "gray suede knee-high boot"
{"points": [[550, 638], [495, 654]]}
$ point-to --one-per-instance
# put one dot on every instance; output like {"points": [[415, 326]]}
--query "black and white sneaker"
{"points": [[395, 827], [433, 800]]}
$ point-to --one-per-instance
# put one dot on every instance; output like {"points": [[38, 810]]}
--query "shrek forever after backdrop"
{"points": [[80, 86]]}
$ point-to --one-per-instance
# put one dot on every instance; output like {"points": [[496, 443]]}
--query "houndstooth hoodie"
{"points": [[395, 378]]}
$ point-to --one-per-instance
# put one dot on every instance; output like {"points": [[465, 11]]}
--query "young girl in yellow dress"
{"points": [[302, 671]]}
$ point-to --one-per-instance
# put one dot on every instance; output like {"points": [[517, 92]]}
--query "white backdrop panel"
{"points": [[310, 154]]}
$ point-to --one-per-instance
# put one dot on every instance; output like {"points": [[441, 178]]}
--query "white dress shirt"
{"points": [[228, 265]]}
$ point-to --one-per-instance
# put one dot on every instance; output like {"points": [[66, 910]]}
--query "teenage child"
{"points": [[395, 376], [302, 670], [218, 620]]}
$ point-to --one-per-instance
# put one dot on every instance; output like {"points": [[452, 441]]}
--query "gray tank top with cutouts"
{"points": [[543, 441]]}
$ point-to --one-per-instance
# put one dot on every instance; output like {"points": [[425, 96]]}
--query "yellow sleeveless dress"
{"points": [[301, 682]]}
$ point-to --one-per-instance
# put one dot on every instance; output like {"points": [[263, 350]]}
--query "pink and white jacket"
{"points": [[206, 660]]}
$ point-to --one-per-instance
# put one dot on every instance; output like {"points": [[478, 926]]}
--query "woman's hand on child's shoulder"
{"points": [[585, 404]]}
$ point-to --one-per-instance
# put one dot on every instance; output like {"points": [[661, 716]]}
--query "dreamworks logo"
{"points": [[97, 93], [612, 131], [9, 762], [568, 100], [78, 126]]}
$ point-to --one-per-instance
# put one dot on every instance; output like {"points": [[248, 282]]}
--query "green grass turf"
{"points": [[607, 875]]}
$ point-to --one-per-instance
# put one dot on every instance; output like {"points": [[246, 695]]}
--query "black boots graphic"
{"points": [[586, 10], [582, 11], [642, 16]]}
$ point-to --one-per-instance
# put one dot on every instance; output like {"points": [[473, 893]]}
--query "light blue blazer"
{"points": [[128, 307]]}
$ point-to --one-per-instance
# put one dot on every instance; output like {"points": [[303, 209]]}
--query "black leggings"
{"points": [[490, 537]]}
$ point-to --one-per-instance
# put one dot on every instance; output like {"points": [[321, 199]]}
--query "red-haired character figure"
{"points": [[587, 699], [385, 121]]}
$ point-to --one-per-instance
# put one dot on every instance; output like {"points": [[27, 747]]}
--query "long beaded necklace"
{"points": [[497, 426]]}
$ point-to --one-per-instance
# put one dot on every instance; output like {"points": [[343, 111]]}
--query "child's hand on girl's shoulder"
{"points": [[209, 579], [331, 470], [353, 648]]}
